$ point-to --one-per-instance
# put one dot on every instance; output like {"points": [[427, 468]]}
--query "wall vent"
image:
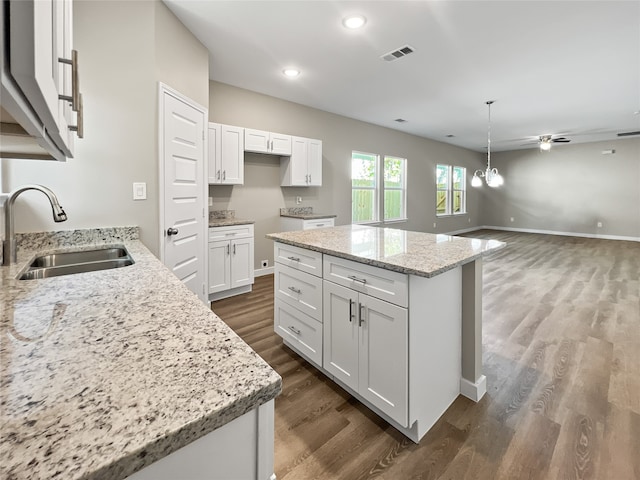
{"points": [[629, 134], [396, 54]]}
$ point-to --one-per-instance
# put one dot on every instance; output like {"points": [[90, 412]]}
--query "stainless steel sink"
{"points": [[67, 263]]}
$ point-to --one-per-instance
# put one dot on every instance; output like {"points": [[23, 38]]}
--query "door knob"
{"points": [[172, 231]]}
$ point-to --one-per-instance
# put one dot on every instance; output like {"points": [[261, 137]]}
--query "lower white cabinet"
{"points": [[230, 261], [365, 347]]}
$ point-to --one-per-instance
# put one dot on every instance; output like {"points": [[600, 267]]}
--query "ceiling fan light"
{"points": [[545, 145]]}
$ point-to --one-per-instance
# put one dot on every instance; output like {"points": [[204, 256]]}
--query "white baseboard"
{"points": [[474, 391], [263, 271], [564, 234], [464, 230]]}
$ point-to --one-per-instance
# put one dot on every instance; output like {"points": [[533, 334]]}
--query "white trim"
{"points": [[566, 234], [474, 391], [261, 272]]}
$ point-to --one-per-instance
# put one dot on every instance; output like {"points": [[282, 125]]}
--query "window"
{"points": [[372, 193], [451, 190]]}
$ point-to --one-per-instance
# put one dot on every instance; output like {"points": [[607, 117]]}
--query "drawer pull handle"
{"points": [[295, 290], [295, 259], [356, 279], [294, 330], [351, 314], [231, 234], [319, 225], [361, 315]]}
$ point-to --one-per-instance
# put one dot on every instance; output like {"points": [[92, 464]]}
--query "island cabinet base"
{"points": [[392, 340], [242, 449]]}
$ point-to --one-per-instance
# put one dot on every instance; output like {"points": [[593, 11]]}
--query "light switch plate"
{"points": [[139, 191]]}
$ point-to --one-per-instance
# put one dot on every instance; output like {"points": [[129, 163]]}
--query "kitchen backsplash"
{"points": [[217, 214]]}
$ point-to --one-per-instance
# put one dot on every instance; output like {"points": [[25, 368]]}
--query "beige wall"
{"points": [[125, 48], [261, 196], [569, 189]]}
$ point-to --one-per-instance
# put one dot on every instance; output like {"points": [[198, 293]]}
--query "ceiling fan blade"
{"points": [[560, 140]]}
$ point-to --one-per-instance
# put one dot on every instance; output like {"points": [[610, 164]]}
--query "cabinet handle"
{"points": [[309, 178], [356, 279], [361, 315], [351, 314], [218, 175], [79, 126], [227, 249], [295, 290], [318, 225], [224, 175], [294, 329], [74, 99], [234, 248], [294, 259], [231, 234]]}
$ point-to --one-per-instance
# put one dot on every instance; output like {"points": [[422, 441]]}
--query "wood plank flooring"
{"points": [[561, 350]]}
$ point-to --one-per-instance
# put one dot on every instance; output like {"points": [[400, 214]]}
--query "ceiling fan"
{"points": [[545, 141]]}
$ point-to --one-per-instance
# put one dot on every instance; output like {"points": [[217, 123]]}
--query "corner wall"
{"points": [[569, 189]]}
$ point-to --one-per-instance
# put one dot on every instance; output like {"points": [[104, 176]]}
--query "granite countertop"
{"points": [[103, 373], [303, 213], [227, 222], [422, 254]]}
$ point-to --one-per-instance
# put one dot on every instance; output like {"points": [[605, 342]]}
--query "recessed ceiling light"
{"points": [[291, 72], [354, 21]]}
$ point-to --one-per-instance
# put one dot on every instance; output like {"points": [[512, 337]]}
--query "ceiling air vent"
{"points": [[629, 134], [396, 54]]}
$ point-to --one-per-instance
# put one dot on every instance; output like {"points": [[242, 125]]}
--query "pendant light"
{"points": [[490, 175]]}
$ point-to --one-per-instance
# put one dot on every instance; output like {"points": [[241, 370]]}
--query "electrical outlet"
{"points": [[512, 219], [211, 201], [599, 224], [298, 200], [434, 224], [265, 263]]}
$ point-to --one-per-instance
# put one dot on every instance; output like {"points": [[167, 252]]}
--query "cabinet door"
{"points": [[241, 262], [214, 153], [256, 141], [298, 166], [232, 148], [383, 351], [340, 335], [314, 162], [280, 144], [219, 266]]}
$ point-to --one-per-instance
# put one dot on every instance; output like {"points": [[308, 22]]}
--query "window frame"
{"points": [[450, 191], [380, 189]]}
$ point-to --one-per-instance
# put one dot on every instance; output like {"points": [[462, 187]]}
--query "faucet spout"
{"points": [[9, 250]]}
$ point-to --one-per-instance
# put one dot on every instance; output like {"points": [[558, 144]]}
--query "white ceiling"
{"points": [[552, 67]]}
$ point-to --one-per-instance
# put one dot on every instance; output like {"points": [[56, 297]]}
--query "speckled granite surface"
{"points": [[305, 213], [103, 373], [422, 254], [225, 218]]}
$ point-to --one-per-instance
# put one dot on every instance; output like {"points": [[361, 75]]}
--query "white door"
{"points": [[183, 221], [241, 262], [298, 165], [384, 347], [232, 155], [219, 266], [340, 346], [314, 162]]}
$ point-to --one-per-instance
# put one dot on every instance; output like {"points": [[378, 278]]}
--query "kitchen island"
{"points": [[112, 372], [394, 317]]}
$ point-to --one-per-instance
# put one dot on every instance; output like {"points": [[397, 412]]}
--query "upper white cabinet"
{"points": [[259, 141], [226, 154], [304, 167], [40, 87]]}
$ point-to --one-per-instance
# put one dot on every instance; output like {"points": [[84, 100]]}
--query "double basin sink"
{"points": [[67, 263]]}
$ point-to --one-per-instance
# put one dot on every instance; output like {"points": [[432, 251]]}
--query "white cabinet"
{"points": [[230, 261], [259, 141], [226, 154], [365, 346], [304, 166], [288, 224], [40, 90]]}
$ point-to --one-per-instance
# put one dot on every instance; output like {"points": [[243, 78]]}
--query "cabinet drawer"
{"points": [[377, 282], [231, 232], [318, 223], [298, 258], [300, 330], [299, 289]]}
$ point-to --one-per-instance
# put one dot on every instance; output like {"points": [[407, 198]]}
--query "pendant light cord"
{"points": [[489, 138]]}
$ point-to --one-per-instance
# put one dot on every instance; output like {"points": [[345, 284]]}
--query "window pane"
{"points": [[363, 170], [441, 202], [393, 205], [458, 202], [393, 172], [362, 205], [442, 177], [458, 178]]}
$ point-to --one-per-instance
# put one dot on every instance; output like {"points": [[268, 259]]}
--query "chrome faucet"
{"points": [[9, 250]]}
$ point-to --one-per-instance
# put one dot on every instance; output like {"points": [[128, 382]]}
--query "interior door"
{"points": [[182, 137]]}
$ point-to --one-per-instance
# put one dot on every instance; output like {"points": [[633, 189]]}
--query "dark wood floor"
{"points": [[561, 340]]}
